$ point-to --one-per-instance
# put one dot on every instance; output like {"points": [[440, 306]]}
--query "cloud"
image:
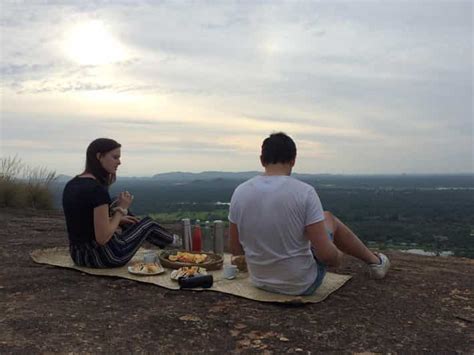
{"points": [[211, 80]]}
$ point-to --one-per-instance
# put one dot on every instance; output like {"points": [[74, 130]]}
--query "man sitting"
{"points": [[279, 224]]}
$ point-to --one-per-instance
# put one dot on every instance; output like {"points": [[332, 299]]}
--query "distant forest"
{"points": [[405, 211]]}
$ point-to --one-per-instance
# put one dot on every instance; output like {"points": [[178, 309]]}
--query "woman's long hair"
{"points": [[93, 165]]}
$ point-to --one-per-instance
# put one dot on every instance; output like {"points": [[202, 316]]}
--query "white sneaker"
{"points": [[378, 271]]}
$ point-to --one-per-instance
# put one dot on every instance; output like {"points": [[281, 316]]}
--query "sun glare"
{"points": [[271, 47], [92, 44]]}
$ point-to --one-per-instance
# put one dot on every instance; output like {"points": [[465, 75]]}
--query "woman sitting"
{"points": [[101, 236]]}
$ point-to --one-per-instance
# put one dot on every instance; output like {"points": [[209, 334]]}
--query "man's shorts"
{"points": [[321, 271]]}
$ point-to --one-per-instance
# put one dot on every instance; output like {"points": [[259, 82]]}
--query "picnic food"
{"points": [[146, 268], [151, 268], [188, 271], [175, 259], [185, 257]]}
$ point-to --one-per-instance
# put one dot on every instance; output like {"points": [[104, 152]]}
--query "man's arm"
{"points": [[326, 251], [235, 246]]}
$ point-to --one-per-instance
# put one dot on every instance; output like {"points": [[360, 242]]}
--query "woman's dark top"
{"points": [[80, 197]]}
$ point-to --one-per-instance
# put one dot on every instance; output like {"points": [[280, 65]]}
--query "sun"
{"points": [[91, 43]]}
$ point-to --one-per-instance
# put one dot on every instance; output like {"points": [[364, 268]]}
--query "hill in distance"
{"points": [[205, 175], [179, 176], [465, 180]]}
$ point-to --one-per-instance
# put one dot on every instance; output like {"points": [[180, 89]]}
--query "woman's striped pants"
{"points": [[121, 247]]}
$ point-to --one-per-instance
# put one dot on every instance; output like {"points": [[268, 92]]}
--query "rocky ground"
{"points": [[425, 304]]}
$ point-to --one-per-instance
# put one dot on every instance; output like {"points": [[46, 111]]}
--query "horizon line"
{"points": [[293, 173]]}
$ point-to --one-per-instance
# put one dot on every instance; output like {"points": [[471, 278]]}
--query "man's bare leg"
{"points": [[347, 241]]}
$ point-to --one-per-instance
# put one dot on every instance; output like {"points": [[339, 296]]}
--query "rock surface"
{"points": [[425, 304]]}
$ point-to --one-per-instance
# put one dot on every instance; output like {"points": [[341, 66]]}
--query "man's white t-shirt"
{"points": [[271, 213]]}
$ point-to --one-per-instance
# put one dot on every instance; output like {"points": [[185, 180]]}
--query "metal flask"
{"points": [[187, 237], [219, 237], [207, 238]]}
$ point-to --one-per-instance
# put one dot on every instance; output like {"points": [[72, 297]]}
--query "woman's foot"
{"points": [[177, 242]]}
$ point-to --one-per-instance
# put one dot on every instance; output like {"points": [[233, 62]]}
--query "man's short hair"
{"points": [[278, 148]]}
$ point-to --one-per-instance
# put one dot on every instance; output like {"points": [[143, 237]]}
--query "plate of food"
{"points": [[187, 271], [174, 259], [146, 269]]}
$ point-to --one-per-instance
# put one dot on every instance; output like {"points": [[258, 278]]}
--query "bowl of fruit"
{"points": [[176, 259]]}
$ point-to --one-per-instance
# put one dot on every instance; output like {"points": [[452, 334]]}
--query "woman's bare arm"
{"points": [[104, 227]]}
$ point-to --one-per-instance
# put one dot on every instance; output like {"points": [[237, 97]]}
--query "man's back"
{"points": [[271, 213]]}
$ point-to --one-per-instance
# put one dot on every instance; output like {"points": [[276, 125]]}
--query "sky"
{"points": [[363, 87]]}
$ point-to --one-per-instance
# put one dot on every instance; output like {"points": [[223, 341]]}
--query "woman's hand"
{"points": [[125, 199], [125, 220]]}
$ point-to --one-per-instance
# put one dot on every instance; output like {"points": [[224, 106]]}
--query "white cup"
{"points": [[230, 271]]}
